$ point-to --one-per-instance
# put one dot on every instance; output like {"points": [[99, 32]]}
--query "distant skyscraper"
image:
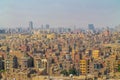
{"points": [[30, 25], [47, 26], [19, 29], [42, 27], [91, 27]]}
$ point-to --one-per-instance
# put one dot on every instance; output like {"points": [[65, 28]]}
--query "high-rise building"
{"points": [[47, 26], [30, 25], [2, 31], [42, 27], [91, 27], [19, 29]]}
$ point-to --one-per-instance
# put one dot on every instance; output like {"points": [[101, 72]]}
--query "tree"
{"points": [[15, 62], [64, 72], [30, 62], [70, 49], [118, 68], [73, 71], [8, 49]]}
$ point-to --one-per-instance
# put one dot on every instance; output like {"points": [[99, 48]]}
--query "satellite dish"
{"points": [[71, 75]]}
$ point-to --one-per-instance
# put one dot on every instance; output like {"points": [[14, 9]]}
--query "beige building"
{"points": [[83, 67]]}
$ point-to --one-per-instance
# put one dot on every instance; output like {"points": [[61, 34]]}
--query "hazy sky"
{"points": [[16, 13]]}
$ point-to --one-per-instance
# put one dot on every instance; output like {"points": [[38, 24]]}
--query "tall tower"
{"points": [[30, 25]]}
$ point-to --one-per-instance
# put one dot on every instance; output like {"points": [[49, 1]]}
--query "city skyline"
{"points": [[15, 13]]}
